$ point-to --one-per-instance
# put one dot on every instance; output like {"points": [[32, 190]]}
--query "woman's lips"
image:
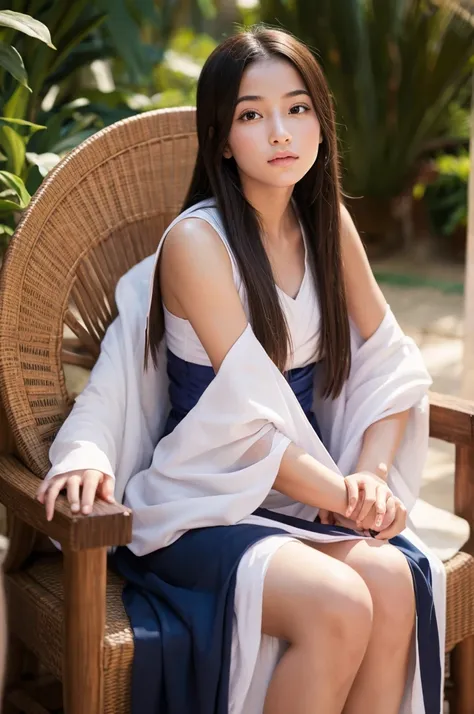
{"points": [[286, 161]]}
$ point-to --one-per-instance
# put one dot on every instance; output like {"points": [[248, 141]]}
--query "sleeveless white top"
{"points": [[302, 312]]}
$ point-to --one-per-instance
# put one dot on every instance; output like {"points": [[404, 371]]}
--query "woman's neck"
{"points": [[273, 204]]}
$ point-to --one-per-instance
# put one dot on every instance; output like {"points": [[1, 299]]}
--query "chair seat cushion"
{"points": [[35, 601]]}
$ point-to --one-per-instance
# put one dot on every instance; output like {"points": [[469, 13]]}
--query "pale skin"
{"points": [[352, 601]]}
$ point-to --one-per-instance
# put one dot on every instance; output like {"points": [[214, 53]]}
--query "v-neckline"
{"points": [[303, 280]]}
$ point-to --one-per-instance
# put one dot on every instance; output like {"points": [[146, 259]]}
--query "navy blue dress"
{"points": [[180, 599]]}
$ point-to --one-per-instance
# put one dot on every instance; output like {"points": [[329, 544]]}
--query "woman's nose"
{"points": [[279, 134]]}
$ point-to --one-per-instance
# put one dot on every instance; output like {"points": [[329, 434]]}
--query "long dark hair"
{"points": [[317, 196]]}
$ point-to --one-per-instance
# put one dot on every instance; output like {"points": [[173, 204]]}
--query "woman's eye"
{"points": [[248, 116], [296, 109]]}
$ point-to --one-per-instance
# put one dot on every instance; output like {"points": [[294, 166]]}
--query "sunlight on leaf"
{"points": [[26, 24]]}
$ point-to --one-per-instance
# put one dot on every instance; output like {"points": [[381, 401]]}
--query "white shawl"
{"points": [[225, 454]]}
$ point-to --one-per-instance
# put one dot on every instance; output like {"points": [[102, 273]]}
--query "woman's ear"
{"points": [[227, 154], [321, 139]]}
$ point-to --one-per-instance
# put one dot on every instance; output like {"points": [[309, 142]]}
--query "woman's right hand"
{"points": [[82, 489], [366, 491]]}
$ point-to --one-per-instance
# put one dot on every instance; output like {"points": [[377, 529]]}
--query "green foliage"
{"points": [[110, 59], [15, 131], [393, 68], [34, 137], [446, 196], [176, 78]]}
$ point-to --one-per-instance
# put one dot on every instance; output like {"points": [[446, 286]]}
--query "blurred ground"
{"points": [[435, 321]]}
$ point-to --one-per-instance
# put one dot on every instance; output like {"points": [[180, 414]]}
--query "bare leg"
{"points": [[323, 609], [380, 682]]}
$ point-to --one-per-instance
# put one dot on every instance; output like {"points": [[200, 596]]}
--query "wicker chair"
{"points": [[99, 212]]}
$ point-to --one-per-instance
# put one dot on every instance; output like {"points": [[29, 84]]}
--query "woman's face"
{"points": [[274, 115]]}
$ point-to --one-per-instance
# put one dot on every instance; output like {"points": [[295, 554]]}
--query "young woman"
{"points": [[266, 572]]}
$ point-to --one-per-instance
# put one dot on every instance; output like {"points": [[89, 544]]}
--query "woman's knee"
{"points": [[387, 574], [309, 596]]}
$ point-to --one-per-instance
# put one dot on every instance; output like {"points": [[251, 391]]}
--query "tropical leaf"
{"points": [[26, 24], [45, 162], [71, 141], [12, 61], [78, 32], [7, 206], [21, 122], [5, 230], [15, 185], [125, 34], [16, 107], [14, 148]]}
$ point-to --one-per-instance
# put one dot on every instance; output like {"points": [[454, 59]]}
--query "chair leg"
{"points": [[85, 578], [462, 673], [15, 659], [22, 666]]}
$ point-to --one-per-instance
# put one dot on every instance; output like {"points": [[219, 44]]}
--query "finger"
{"points": [[368, 523], [89, 488], [369, 502], [51, 495], [105, 490], [381, 498], [352, 488], [398, 525], [390, 513], [73, 487], [324, 516], [356, 512], [46, 483]]}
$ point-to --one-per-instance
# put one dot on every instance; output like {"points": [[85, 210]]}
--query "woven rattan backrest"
{"points": [[102, 210]]}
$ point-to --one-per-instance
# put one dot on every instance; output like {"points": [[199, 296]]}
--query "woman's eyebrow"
{"points": [[257, 98]]}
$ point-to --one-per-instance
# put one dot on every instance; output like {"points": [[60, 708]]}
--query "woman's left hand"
{"points": [[398, 524], [394, 521]]}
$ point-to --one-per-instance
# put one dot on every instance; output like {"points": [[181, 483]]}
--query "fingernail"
{"points": [[86, 509], [378, 522], [74, 506]]}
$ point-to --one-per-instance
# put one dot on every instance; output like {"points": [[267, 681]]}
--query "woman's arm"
{"points": [[367, 307], [380, 444], [86, 449], [365, 301], [197, 283]]}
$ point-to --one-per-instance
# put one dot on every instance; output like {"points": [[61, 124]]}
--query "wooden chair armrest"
{"points": [[107, 525], [452, 419]]}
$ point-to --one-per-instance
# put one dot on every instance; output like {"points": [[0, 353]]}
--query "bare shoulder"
{"points": [[349, 232], [197, 284], [193, 245]]}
